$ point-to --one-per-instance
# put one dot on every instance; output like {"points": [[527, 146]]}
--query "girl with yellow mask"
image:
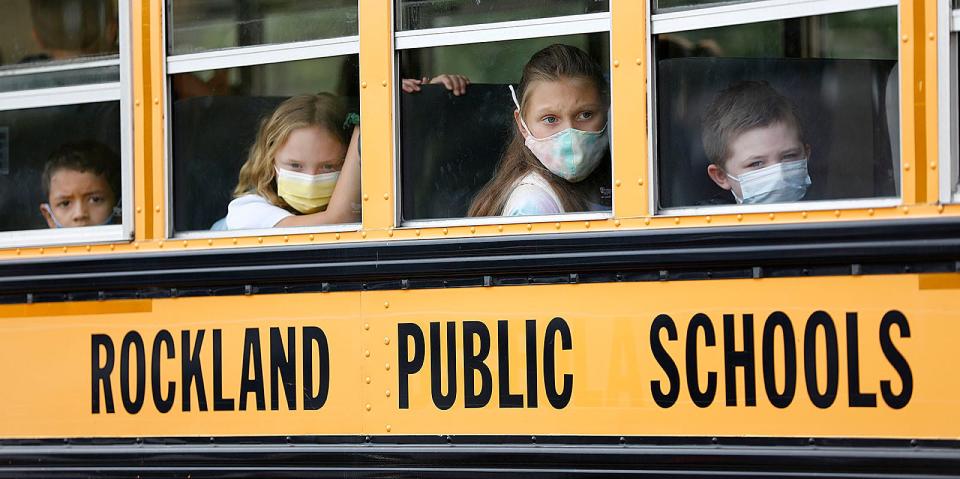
{"points": [[303, 168]]}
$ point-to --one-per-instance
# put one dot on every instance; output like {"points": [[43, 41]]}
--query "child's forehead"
{"points": [[563, 85], [65, 177]]}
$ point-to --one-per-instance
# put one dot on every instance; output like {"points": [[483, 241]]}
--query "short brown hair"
{"points": [[77, 25], [85, 157], [741, 107]]}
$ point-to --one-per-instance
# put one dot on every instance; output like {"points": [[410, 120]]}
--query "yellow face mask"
{"points": [[306, 193]]}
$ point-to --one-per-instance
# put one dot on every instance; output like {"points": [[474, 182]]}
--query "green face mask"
{"points": [[306, 193]]}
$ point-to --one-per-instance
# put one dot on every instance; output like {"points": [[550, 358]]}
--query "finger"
{"points": [[462, 84]]}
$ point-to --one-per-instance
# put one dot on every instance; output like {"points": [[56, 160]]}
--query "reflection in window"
{"points": [[217, 115], [689, 4], [62, 168], [451, 145], [198, 25], [420, 14], [57, 30], [750, 106]]}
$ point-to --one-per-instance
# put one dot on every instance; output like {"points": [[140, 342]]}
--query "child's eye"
{"points": [[550, 119], [585, 115], [296, 166], [96, 199], [791, 157], [755, 164], [63, 204]]}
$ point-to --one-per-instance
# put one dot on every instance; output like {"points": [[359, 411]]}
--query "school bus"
{"points": [[672, 331]]}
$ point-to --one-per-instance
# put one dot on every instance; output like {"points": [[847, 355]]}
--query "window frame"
{"points": [[726, 15], [948, 111], [238, 57], [120, 91], [543, 27]]}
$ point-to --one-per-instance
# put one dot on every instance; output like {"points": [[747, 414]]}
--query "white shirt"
{"points": [[253, 212], [532, 195]]}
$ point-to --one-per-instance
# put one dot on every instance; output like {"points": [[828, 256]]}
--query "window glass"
{"points": [[737, 105], [45, 43], [687, 4], [79, 148], [217, 115], [419, 14], [198, 25], [451, 144]]}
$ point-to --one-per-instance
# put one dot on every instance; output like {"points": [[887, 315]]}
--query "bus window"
{"points": [[65, 139], [53, 43], [661, 5], [420, 14], [201, 25], [784, 111], [453, 144], [262, 136]]}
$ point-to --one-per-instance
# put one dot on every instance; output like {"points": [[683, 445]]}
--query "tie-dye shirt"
{"points": [[532, 195]]}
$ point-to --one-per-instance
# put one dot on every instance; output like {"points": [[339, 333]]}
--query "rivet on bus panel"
{"points": [[184, 243], [906, 166], [473, 229], [366, 353], [260, 240], [209, 242], [286, 238], [234, 241], [363, 84], [931, 36], [363, 234], [556, 225], [388, 428], [386, 341], [41, 250], [933, 165], [586, 224], [615, 223], [616, 63], [156, 208], [386, 196], [640, 181], [386, 304], [646, 221], [772, 216], [739, 217], [64, 249], [676, 220], [939, 208], [383, 83], [529, 226], [906, 209], [417, 232], [836, 213], [88, 248], [870, 212], [18, 251], [112, 247], [387, 393], [709, 219], [445, 231], [156, 101], [139, 209], [367, 380], [905, 38], [639, 61], [803, 215], [500, 228], [617, 182], [369, 407], [160, 244], [366, 197], [136, 246], [366, 326], [337, 236], [386, 366]]}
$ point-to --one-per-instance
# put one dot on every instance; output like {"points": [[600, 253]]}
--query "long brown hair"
{"points": [[257, 175], [553, 63]]}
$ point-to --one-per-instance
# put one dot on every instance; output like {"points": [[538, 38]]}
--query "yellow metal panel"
{"points": [[140, 21], [628, 39], [911, 102], [157, 182], [599, 337], [932, 104], [376, 108]]}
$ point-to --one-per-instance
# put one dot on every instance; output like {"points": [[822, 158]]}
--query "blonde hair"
{"points": [[551, 64], [257, 175]]}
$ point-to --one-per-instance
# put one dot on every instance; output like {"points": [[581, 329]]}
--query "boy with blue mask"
{"points": [[754, 141], [81, 184]]}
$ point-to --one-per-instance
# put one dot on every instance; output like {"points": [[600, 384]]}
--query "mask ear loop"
{"points": [[56, 223], [513, 94]]}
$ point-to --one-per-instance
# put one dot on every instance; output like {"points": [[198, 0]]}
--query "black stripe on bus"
{"points": [[479, 456], [750, 251]]}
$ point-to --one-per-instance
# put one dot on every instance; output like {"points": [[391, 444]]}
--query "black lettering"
{"points": [[314, 335], [896, 359], [558, 400], [820, 319], [507, 400], [405, 365], [700, 397], [669, 398], [101, 374], [857, 398], [251, 348], [161, 402], [778, 319], [220, 403], [473, 362], [191, 370], [733, 359], [532, 394], [443, 402], [285, 364], [134, 404]]}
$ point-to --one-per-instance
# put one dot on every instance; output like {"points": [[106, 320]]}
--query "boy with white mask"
{"points": [[754, 141]]}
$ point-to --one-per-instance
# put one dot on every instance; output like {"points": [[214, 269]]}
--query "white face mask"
{"points": [[782, 182], [570, 154]]}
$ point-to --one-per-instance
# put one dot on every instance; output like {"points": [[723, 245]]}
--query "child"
{"points": [[755, 145], [303, 168], [67, 29], [561, 138], [81, 185]]}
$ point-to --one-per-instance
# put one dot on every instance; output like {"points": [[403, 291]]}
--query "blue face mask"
{"points": [[117, 211]]}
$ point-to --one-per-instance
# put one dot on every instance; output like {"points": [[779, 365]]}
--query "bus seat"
{"points": [[450, 146], [34, 134], [842, 105]]}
